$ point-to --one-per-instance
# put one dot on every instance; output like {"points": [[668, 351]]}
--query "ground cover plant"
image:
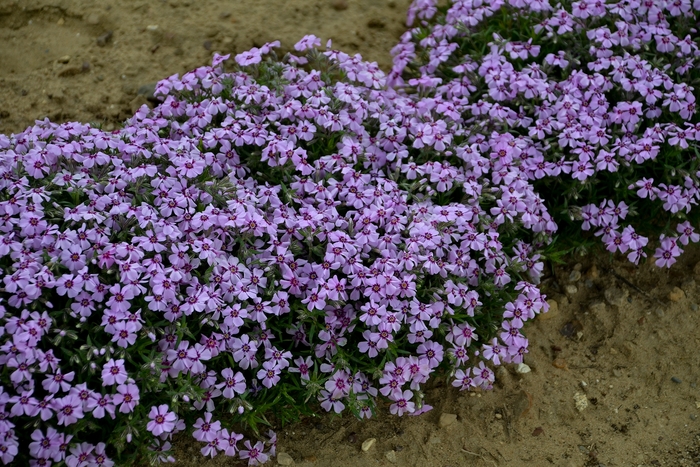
{"points": [[306, 228]]}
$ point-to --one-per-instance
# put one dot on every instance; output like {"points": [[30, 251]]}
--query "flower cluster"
{"points": [[311, 229], [283, 231], [604, 93]]}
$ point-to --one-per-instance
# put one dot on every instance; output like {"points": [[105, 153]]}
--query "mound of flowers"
{"points": [[604, 94], [283, 235], [282, 232]]}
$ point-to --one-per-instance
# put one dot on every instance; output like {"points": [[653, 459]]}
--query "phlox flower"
{"points": [[403, 404], [161, 420], [303, 366], [80, 455], [687, 233], [254, 454], [328, 402], [69, 409], [667, 253], [98, 405], [269, 374], [206, 430], [463, 379], [44, 445], [127, 398]]}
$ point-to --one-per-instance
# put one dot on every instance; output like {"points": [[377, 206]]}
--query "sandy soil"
{"points": [[622, 341]]}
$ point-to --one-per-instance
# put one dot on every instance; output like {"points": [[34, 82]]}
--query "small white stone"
{"points": [[581, 401], [368, 443], [284, 459], [522, 368]]}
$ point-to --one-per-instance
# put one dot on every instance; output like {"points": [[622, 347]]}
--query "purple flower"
{"points": [[205, 429], [254, 454], [233, 384], [403, 404], [69, 409], [99, 404], [162, 421], [668, 252], [80, 455], [269, 374], [127, 398], [113, 372]]}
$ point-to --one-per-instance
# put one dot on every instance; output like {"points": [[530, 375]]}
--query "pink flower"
{"points": [[162, 421], [206, 430], [403, 404], [128, 397], [69, 409], [254, 454], [113, 372], [233, 384]]}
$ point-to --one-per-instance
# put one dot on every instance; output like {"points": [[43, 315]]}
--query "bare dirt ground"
{"points": [[622, 344]]}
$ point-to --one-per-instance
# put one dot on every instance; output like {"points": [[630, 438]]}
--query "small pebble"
{"points": [[104, 38], [447, 419], [499, 416], [693, 417], [522, 368], [581, 401], [659, 312], [93, 19], [676, 295], [571, 289], [64, 59], [694, 306], [284, 459], [339, 5], [676, 380], [597, 307], [391, 456], [367, 444], [616, 296], [593, 273], [575, 276], [560, 363]]}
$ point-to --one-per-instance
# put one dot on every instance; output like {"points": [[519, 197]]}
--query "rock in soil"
{"points": [[676, 295], [616, 296], [284, 459], [447, 419], [368, 443]]}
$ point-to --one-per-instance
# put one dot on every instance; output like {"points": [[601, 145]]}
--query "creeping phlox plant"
{"points": [[285, 231], [603, 95]]}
